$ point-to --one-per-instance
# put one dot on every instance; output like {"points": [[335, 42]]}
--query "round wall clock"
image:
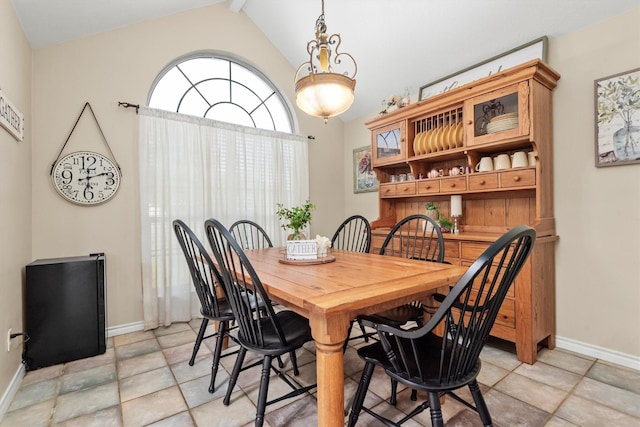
{"points": [[86, 178]]}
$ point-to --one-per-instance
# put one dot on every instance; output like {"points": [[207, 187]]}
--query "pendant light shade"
{"points": [[323, 92]]}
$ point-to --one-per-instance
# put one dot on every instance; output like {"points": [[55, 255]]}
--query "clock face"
{"points": [[86, 178]]}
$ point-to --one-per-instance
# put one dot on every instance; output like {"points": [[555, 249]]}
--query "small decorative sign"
{"points": [[10, 118], [534, 49], [302, 249]]}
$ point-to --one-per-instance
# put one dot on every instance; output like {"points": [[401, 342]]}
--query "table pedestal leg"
{"points": [[330, 368]]}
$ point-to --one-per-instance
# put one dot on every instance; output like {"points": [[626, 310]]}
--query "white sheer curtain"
{"points": [[194, 169]]}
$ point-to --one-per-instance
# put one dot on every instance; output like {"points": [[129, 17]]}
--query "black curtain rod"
{"points": [[129, 105], [137, 107]]}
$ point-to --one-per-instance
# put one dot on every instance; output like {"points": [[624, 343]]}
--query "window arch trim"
{"points": [[232, 58]]}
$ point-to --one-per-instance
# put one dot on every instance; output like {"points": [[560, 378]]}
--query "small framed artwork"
{"points": [[364, 178], [617, 119]]}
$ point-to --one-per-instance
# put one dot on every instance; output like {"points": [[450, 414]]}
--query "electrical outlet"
{"points": [[9, 340]]}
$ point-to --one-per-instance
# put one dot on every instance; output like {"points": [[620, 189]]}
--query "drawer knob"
{"points": [[427, 187], [516, 178], [470, 122], [453, 184], [482, 182]]}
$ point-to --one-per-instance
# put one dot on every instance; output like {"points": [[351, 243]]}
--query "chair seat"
{"points": [[398, 316], [429, 361], [295, 328], [225, 313]]}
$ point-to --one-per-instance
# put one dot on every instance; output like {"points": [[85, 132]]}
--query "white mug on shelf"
{"points": [[485, 164], [532, 158], [519, 159], [503, 161]]}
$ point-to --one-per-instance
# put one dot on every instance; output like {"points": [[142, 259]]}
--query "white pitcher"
{"points": [[503, 161], [519, 159], [485, 164]]}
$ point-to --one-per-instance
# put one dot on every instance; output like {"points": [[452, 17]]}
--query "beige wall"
{"points": [[598, 272], [597, 209], [15, 187], [121, 66]]}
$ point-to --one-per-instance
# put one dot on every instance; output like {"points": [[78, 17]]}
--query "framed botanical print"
{"points": [[364, 178], [617, 119]]}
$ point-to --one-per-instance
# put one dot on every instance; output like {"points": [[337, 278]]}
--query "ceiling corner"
{"points": [[236, 5]]}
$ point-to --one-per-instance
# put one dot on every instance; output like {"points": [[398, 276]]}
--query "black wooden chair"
{"points": [[213, 306], [354, 234], [415, 237], [439, 363], [262, 331], [250, 235]]}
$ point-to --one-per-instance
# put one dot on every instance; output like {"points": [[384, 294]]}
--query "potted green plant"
{"points": [[445, 224], [432, 211], [295, 219]]}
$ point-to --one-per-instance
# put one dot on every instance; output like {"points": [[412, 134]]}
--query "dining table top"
{"points": [[332, 294], [362, 283]]}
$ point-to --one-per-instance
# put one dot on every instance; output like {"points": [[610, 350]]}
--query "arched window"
{"points": [[239, 165], [219, 87]]}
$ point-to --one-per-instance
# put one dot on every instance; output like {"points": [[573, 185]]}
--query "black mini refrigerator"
{"points": [[64, 310]]}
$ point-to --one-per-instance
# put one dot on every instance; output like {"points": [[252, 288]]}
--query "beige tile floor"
{"points": [[144, 379]]}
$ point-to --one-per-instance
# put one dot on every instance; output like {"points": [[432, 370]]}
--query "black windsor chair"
{"points": [[212, 305], [250, 235], [415, 237], [263, 331], [354, 234], [439, 364]]}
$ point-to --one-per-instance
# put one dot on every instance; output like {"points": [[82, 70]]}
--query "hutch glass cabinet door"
{"points": [[388, 144], [498, 115]]}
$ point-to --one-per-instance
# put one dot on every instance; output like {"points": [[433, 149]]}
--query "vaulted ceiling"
{"points": [[396, 43]]}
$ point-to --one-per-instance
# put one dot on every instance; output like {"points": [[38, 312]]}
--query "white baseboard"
{"points": [[125, 329], [599, 352], [11, 391]]}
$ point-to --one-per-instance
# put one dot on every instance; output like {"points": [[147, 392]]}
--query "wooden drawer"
{"points": [[511, 293], [484, 181], [453, 185], [471, 251], [506, 315], [376, 243], [387, 190], [518, 178], [451, 250], [406, 189], [428, 186]]}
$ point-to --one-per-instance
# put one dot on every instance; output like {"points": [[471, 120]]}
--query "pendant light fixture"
{"points": [[327, 90]]}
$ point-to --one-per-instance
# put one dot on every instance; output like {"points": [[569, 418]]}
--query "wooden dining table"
{"points": [[331, 294]]}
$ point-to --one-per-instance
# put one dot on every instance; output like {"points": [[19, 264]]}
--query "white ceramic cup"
{"points": [[519, 159], [532, 158], [503, 161], [485, 164]]}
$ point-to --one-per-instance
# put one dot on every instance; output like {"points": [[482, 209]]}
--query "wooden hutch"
{"points": [[454, 130]]}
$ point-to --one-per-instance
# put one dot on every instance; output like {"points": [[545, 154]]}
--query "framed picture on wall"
{"points": [[617, 119], [364, 178]]}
